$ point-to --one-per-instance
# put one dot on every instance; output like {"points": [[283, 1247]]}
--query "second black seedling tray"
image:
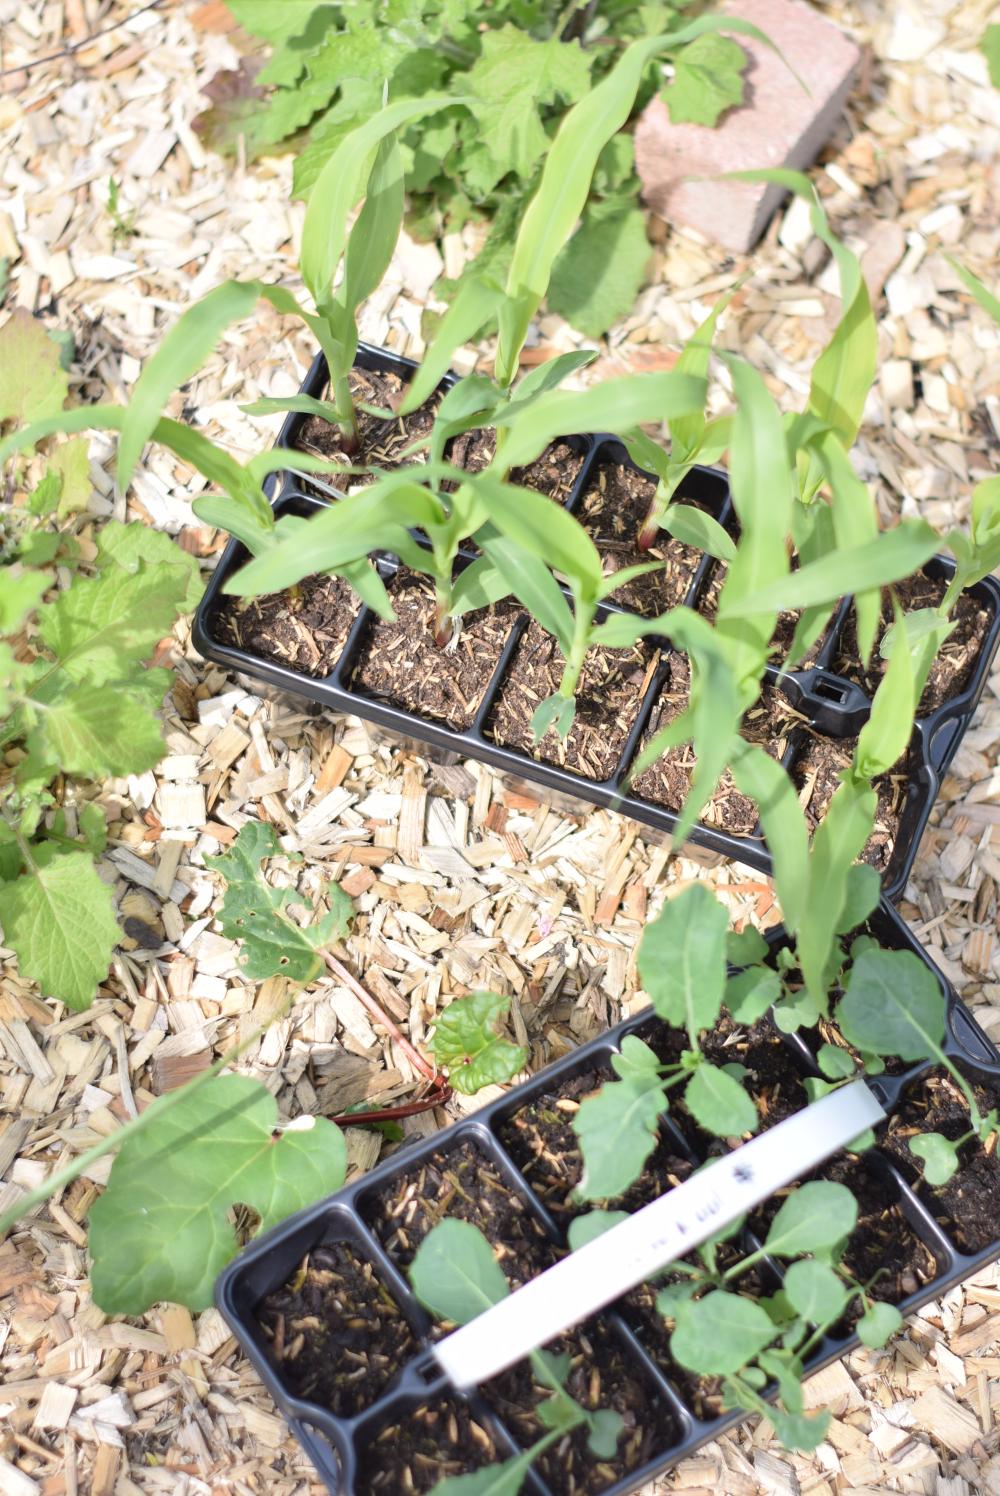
{"points": [[346, 1448], [830, 705]]}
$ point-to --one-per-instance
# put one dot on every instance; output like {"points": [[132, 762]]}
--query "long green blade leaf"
{"points": [[762, 497], [895, 554], [545, 529], [341, 184], [617, 406], [758, 775], [184, 349], [473, 307], [552, 214], [66, 422]]}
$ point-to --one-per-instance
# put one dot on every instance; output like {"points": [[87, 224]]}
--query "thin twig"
{"points": [[85, 41], [395, 1113], [377, 1011]]}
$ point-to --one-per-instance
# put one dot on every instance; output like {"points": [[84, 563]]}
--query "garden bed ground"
{"points": [[457, 884]]}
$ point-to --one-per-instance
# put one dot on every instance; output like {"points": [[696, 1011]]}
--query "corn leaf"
{"points": [[372, 241], [552, 214], [183, 350], [761, 482], [546, 530], [895, 554], [66, 422], [758, 775], [474, 306], [695, 527], [529, 579], [616, 406], [304, 405], [843, 373], [854, 523], [886, 735], [981, 293], [687, 432], [341, 184], [375, 519], [839, 839]]}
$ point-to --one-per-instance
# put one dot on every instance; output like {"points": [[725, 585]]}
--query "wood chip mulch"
{"points": [[458, 883]]}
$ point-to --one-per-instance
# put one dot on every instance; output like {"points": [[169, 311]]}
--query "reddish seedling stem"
{"points": [[434, 1098], [377, 1011], [650, 529]]}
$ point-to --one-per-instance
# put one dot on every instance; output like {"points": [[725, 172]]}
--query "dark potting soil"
{"points": [[883, 1251], [335, 1332], [416, 1451], [612, 686], [703, 1394], [955, 659], [541, 1141], [554, 473], [399, 662], [464, 1185], [382, 442], [305, 628], [816, 774], [612, 511], [601, 1375], [968, 1206], [774, 1081], [668, 781]]}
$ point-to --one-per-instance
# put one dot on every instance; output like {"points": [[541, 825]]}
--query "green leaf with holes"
{"points": [[257, 914]]}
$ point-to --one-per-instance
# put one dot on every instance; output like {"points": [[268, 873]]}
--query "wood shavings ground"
{"points": [[458, 883]]}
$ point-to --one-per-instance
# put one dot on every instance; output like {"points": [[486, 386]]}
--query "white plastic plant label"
{"points": [[671, 1226]]}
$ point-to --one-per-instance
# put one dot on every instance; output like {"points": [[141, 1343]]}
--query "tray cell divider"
{"points": [[477, 729]]}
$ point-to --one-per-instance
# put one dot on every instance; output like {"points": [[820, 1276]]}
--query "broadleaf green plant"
{"points": [[77, 701], [466, 1043], [892, 1005], [512, 74], [163, 1227], [456, 1276], [719, 1332], [273, 944], [682, 966]]}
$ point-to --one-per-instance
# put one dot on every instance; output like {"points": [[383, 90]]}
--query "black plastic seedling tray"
{"points": [[831, 705], [338, 1445]]}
